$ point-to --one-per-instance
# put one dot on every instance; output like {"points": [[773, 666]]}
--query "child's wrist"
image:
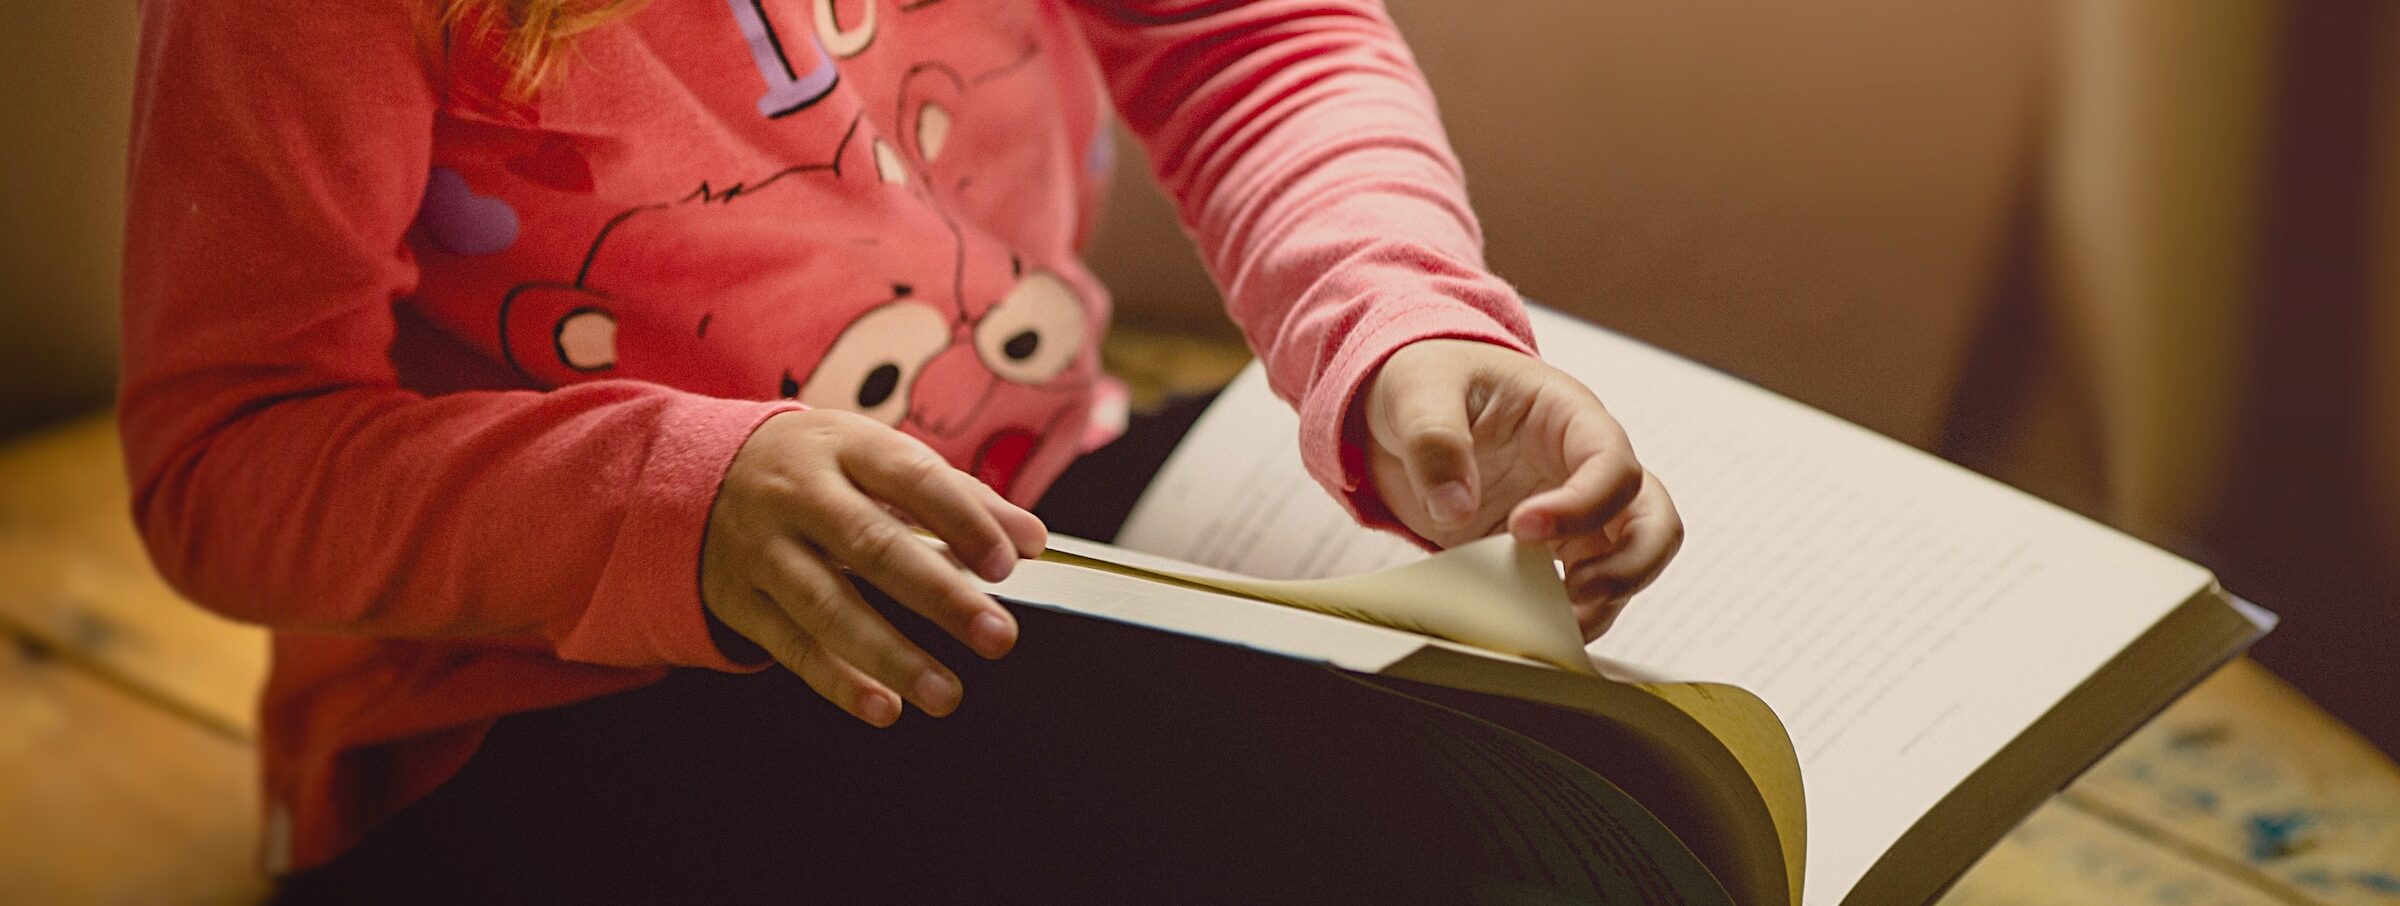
{"points": [[733, 645]]}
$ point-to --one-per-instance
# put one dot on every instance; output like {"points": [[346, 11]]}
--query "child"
{"points": [[508, 354]]}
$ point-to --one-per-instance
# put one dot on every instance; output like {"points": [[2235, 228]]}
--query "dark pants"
{"points": [[1097, 763]]}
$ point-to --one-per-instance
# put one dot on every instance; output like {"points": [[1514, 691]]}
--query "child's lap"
{"points": [[1096, 763]]}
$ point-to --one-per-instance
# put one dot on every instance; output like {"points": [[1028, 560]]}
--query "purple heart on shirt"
{"points": [[463, 222]]}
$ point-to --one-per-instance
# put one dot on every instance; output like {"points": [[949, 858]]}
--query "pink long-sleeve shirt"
{"points": [[439, 382]]}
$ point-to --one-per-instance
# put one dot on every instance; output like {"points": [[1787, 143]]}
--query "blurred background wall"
{"points": [[2141, 257], [66, 75]]}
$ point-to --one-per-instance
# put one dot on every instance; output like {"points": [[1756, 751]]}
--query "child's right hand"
{"points": [[815, 492]]}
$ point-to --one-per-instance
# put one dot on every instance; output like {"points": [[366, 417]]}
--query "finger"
{"points": [[1024, 529], [946, 501], [1594, 543], [1593, 617], [1595, 606], [760, 619], [1599, 619], [1651, 534], [1422, 419], [824, 608], [859, 535], [1603, 478], [1644, 552]]}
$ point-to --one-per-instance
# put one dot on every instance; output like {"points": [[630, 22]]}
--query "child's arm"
{"points": [[281, 473], [1302, 147]]}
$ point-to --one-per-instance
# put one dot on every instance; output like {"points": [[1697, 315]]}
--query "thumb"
{"points": [[1424, 424]]}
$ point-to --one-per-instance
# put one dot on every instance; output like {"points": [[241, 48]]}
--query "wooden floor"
{"points": [[127, 772], [126, 768]]}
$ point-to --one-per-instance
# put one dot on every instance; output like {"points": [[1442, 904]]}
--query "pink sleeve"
{"points": [[281, 474], [1302, 148]]}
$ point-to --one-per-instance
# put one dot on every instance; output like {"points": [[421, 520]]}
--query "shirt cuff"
{"points": [[646, 609]]}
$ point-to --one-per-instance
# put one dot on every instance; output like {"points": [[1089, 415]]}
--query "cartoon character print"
{"points": [[959, 341], [773, 286]]}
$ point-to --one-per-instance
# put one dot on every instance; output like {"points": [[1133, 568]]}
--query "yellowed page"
{"points": [[1277, 628], [1904, 617], [1750, 731], [1493, 594]]}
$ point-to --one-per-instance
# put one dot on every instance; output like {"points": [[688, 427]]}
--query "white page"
{"points": [[1904, 616]]}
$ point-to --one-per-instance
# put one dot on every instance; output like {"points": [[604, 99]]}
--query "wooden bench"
{"points": [[127, 771]]}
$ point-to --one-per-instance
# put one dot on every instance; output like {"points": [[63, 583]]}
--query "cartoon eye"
{"points": [[586, 339], [1035, 332], [870, 366]]}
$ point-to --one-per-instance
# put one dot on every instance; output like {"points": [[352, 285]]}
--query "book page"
{"points": [[1497, 594], [1275, 628], [1904, 617]]}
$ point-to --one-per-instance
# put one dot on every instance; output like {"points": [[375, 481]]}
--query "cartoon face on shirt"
{"points": [[763, 289]]}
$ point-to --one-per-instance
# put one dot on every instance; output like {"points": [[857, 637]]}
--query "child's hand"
{"points": [[814, 492], [1468, 437]]}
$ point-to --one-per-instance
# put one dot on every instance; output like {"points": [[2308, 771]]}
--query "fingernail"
{"points": [[1537, 526], [935, 693], [997, 567], [1450, 502], [991, 635], [879, 709]]}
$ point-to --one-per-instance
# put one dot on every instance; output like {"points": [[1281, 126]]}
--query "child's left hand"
{"points": [[1467, 438]]}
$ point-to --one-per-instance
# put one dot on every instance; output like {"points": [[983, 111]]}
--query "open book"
{"points": [[1866, 665]]}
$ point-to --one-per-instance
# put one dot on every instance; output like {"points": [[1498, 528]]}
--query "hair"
{"points": [[533, 35]]}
